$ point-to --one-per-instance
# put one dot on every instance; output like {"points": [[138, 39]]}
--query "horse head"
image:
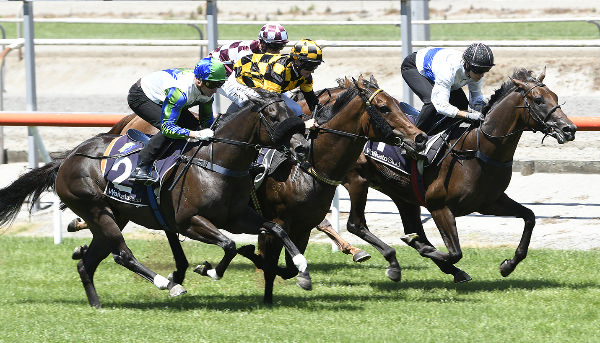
{"points": [[390, 123], [280, 125], [541, 111]]}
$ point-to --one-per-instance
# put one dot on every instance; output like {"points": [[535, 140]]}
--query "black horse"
{"points": [[196, 205]]}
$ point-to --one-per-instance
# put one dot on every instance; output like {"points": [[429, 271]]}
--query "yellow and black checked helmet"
{"points": [[306, 50]]}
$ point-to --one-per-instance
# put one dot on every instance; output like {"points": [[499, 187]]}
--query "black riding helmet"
{"points": [[478, 58]]}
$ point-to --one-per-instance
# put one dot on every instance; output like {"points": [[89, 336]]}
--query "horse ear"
{"points": [[518, 83], [542, 75], [360, 83], [346, 83], [373, 80]]}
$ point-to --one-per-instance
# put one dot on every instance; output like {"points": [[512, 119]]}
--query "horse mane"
{"points": [[264, 96], [342, 99], [508, 87]]}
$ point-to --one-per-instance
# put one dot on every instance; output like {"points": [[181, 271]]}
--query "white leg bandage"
{"points": [[213, 274], [161, 282], [300, 262]]}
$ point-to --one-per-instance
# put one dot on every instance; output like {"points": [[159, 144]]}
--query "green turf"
{"points": [[509, 31], [553, 296]]}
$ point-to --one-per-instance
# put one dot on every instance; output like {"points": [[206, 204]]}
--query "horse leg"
{"points": [[357, 225], [303, 279], [91, 257], [506, 206], [358, 255], [104, 226], [415, 238], [446, 224], [203, 230], [181, 262]]}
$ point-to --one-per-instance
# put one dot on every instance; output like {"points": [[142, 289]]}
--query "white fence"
{"points": [[592, 43]]}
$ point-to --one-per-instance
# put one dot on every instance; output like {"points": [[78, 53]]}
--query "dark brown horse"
{"points": [[363, 112], [297, 197], [472, 178], [200, 202]]}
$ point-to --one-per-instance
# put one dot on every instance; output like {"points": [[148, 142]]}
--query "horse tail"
{"points": [[31, 184]]}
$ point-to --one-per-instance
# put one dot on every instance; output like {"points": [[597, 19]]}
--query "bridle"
{"points": [[538, 118], [378, 121]]}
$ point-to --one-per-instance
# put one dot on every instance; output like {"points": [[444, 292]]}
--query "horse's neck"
{"points": [[504, 127], [334, 154], [241, 128]]}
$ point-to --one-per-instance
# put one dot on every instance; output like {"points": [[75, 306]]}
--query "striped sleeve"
{"points": [[171, 110]]}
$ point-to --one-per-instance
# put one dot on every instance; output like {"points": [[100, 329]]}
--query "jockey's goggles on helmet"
{"points": [[480, 70], [213, 84], [309, 66]]}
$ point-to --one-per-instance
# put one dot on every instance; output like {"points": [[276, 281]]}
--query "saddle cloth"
{"points": [[116, 170]]}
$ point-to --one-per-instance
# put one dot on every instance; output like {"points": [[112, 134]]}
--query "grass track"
{"points": [[552, 296]]}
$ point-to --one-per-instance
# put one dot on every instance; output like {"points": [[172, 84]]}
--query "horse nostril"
{"points": [[421, 139]]}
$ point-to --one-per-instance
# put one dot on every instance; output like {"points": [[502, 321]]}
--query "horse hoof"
{"points": [[177, 290], [505, 268], [79, 252], [461, 277], [394, 274], [408, 239], [303, 281], [203, 268], [361, 256], [73, 225]]}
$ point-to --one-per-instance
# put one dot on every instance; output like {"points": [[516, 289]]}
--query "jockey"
{"points": [[272, 37], [277, 73], [163, 98], [437, 76]]}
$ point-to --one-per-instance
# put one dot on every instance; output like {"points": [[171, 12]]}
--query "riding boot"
{"points": [[144, 173]]}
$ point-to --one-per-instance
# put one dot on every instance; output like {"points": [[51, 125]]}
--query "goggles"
{"points": [[309, 66], [480, 70], [213, 84]]}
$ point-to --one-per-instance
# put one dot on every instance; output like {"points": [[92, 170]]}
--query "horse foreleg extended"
{"points": [[357, 225], [506, 206], [358, 255], [415, 238]]}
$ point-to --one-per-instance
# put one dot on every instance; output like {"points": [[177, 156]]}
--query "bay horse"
{"points": [[298, 197], [196, 205], [304, 194], [472, 177]]}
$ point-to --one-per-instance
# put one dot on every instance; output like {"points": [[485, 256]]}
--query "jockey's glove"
{"points": [[475, 116], [202, 135], [205, 134]]}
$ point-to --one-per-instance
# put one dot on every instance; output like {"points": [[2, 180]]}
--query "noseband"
{"points": [[537, 117]]}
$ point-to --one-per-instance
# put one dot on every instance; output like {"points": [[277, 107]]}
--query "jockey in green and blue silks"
{"points": [[163, 99]]}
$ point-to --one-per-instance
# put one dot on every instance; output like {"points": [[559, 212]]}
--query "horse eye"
{"points": [[538, 100], [384, 109]]}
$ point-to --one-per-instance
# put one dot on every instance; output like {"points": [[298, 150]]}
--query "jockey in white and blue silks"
{"points": [[437, 75]]}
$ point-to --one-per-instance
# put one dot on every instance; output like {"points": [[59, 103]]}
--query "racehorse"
{"points": [[298, 197], [198, 202], [472, 177], [363, 112]]}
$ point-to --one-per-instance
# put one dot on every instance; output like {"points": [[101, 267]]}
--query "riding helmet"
{"points": [[273, 33], [210, 69], [480, 56], [308, 53]]}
